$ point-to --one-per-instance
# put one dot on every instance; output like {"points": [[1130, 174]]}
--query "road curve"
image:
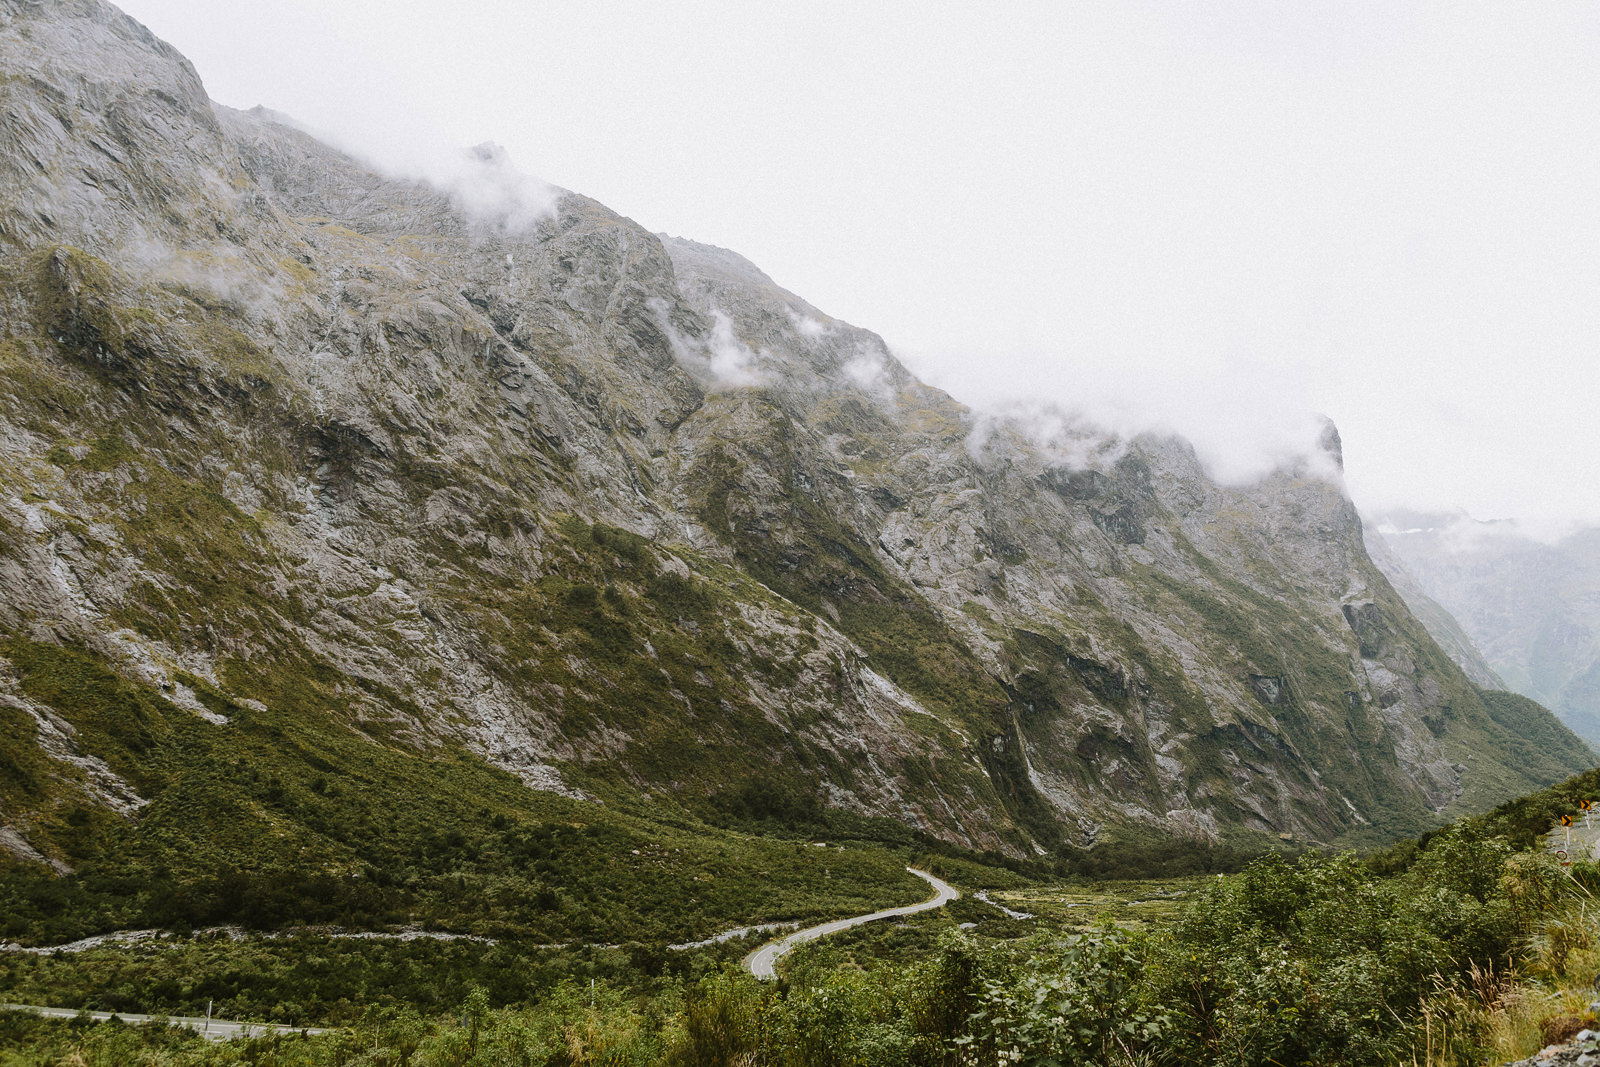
{"points": [[213, 1029], [763, 961]]}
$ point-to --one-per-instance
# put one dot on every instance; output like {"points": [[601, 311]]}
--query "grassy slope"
{"points": [[284, 817]]}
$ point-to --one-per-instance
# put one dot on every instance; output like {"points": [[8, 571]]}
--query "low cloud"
{"points": [[482, 182], [485, 184], [868, 370], [220, 273], [1245, 420], [1458, 533], [719, 360], [1064, 438], [808, 327], [728, 360]]}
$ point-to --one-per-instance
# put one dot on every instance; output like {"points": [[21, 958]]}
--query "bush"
{"points": [[1080, 1004]]}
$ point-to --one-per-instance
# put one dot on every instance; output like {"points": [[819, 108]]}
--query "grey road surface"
{"points": [[763, 961], [214, 1029], [1580, 841]]}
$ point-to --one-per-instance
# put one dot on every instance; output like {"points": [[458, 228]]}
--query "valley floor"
{"points": [[1470, 945]]}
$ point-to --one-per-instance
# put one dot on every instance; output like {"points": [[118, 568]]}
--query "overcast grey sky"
{"points": [[1213, 216]]}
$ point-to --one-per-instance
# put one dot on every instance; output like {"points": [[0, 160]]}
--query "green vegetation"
{"points": [[313, 978], [1319, 961], [282, 817], [1524, 822], [1449, 949], [84, 306]]}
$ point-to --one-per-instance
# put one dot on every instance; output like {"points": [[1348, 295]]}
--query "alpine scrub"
{"points": [[1323, 960]]}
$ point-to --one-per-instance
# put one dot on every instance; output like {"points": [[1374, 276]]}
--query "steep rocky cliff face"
{"points": [[1533, 607], [1456, 642], [288, 446]]}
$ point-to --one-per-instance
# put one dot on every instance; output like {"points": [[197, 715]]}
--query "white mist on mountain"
{"points": [[806, 326], [222, 271], [1458, 533], [1394, 200], [485, 184], [1064, 437], [482, 181], [1244, 422], [719, 360], [868, 370], [729, 361]]}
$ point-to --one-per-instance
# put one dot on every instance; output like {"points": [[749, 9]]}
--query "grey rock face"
{"points": [[1533, 608], [612, 509], [1440, 623]]}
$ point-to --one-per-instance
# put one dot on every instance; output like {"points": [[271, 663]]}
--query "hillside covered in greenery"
{"points": [[1464, 949]]}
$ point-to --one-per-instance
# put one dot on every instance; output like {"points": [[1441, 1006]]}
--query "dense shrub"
{"points": [[1318, 961]]}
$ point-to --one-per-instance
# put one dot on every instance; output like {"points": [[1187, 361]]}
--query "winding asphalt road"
{"points": [[213, 1029], [763, 961]]}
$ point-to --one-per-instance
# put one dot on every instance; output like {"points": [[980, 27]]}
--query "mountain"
{"points": [[1533, 607], [1440, 623], [316, 484]]}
